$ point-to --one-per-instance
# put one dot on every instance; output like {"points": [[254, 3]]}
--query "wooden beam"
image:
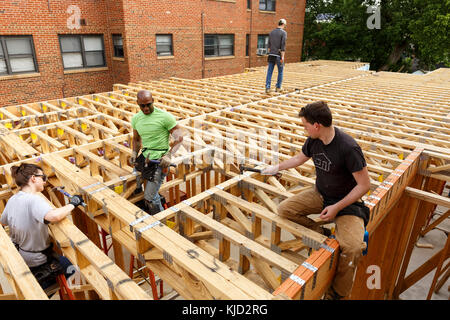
{"points": [[429, 197], [13, 264], [255, 249]]}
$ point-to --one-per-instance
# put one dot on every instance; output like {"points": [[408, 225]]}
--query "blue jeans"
{"points": [[151, 193], [270, 68]]}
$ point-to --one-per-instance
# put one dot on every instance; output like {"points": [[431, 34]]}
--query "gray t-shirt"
{"points": [[277, 41], [24, 214]]}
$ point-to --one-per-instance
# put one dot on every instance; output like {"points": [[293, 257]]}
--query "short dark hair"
{"points": [[22, 174], [317, 112]]}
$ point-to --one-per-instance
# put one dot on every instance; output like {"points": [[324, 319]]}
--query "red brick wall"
{"points": [[184, 21], [144, 19], [116, 25], [44, 20], [139, 21]]}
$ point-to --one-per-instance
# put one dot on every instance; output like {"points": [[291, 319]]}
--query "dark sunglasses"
{"points": [[146, 105], [44, 177]]}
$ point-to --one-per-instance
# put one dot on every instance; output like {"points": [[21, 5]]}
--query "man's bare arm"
{"points": [[361, 188], [136, 141], [177, 134], [293, 162]]}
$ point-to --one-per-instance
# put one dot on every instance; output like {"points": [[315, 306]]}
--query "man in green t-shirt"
{"points": [[151, 130]]}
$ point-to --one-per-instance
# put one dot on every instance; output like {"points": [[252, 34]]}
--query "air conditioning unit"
{"points": [[261, 51]]}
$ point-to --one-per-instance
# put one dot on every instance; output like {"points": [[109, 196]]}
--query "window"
{"points": [[164, 45], [267, 5], [17, 55], [118, 45], [219, 45], [249, 4], [263, 44], [82, 51], [247, 44]]}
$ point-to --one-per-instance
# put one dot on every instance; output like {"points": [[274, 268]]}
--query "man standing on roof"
{"points": [[277, 48], [341, 180], [151, 130]]}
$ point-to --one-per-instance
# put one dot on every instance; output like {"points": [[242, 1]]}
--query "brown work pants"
{"points": [[349, 233]]}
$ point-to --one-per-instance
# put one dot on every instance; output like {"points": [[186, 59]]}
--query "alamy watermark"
{"points": [[230, 145], [75, 281], [73, 22], [374, 280], [374, 20]]}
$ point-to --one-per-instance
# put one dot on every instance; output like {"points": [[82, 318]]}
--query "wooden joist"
{"points": [[18, 274], [85, 141]]}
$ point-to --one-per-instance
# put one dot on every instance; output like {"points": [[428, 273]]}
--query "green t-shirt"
{"points": [[154, 131]]}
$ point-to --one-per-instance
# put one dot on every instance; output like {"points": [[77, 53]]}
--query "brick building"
{"points": [[59, 48]]}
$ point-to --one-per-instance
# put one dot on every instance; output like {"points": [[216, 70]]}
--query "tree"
{"points": [[408, 28]]}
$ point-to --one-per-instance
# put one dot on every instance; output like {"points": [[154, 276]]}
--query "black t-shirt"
{"points": [[335, 164]]}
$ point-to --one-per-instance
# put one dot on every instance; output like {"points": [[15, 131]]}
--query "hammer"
{"points": [[60, 189], [157, 162], [243, 168]]}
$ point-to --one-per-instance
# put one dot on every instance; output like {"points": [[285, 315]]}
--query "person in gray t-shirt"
{"points": [[27, 214], [24, 214], [277, 48]]}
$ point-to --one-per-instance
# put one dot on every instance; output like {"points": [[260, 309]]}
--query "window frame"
{"points": [[217, 36], [247, 44], [266, 36], [83, 51], [114, 46], [265, 5], [7, 56], [171, 44]]}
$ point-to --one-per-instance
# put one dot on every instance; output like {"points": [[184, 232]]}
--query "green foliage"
{"points": [[408, 27]]}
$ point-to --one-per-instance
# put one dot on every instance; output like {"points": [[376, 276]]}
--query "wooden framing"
{"points": [[221, 237], [17, 273]]}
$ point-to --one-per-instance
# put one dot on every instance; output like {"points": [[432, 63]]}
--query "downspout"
{"points": [[250, 37], [63, 88], [203, 41]]}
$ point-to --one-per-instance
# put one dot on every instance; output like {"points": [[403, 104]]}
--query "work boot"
{"points": [[267, 90], [51, 290], [278, 89], [325, 231], [152, 208], [331, 295], [137, 191]]}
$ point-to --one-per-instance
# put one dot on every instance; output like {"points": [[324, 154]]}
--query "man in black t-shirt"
{"points": [[341, 180]]}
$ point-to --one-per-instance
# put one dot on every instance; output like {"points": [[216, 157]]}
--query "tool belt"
{"points": [[358, 209], [48, 271], [145, 167]]}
